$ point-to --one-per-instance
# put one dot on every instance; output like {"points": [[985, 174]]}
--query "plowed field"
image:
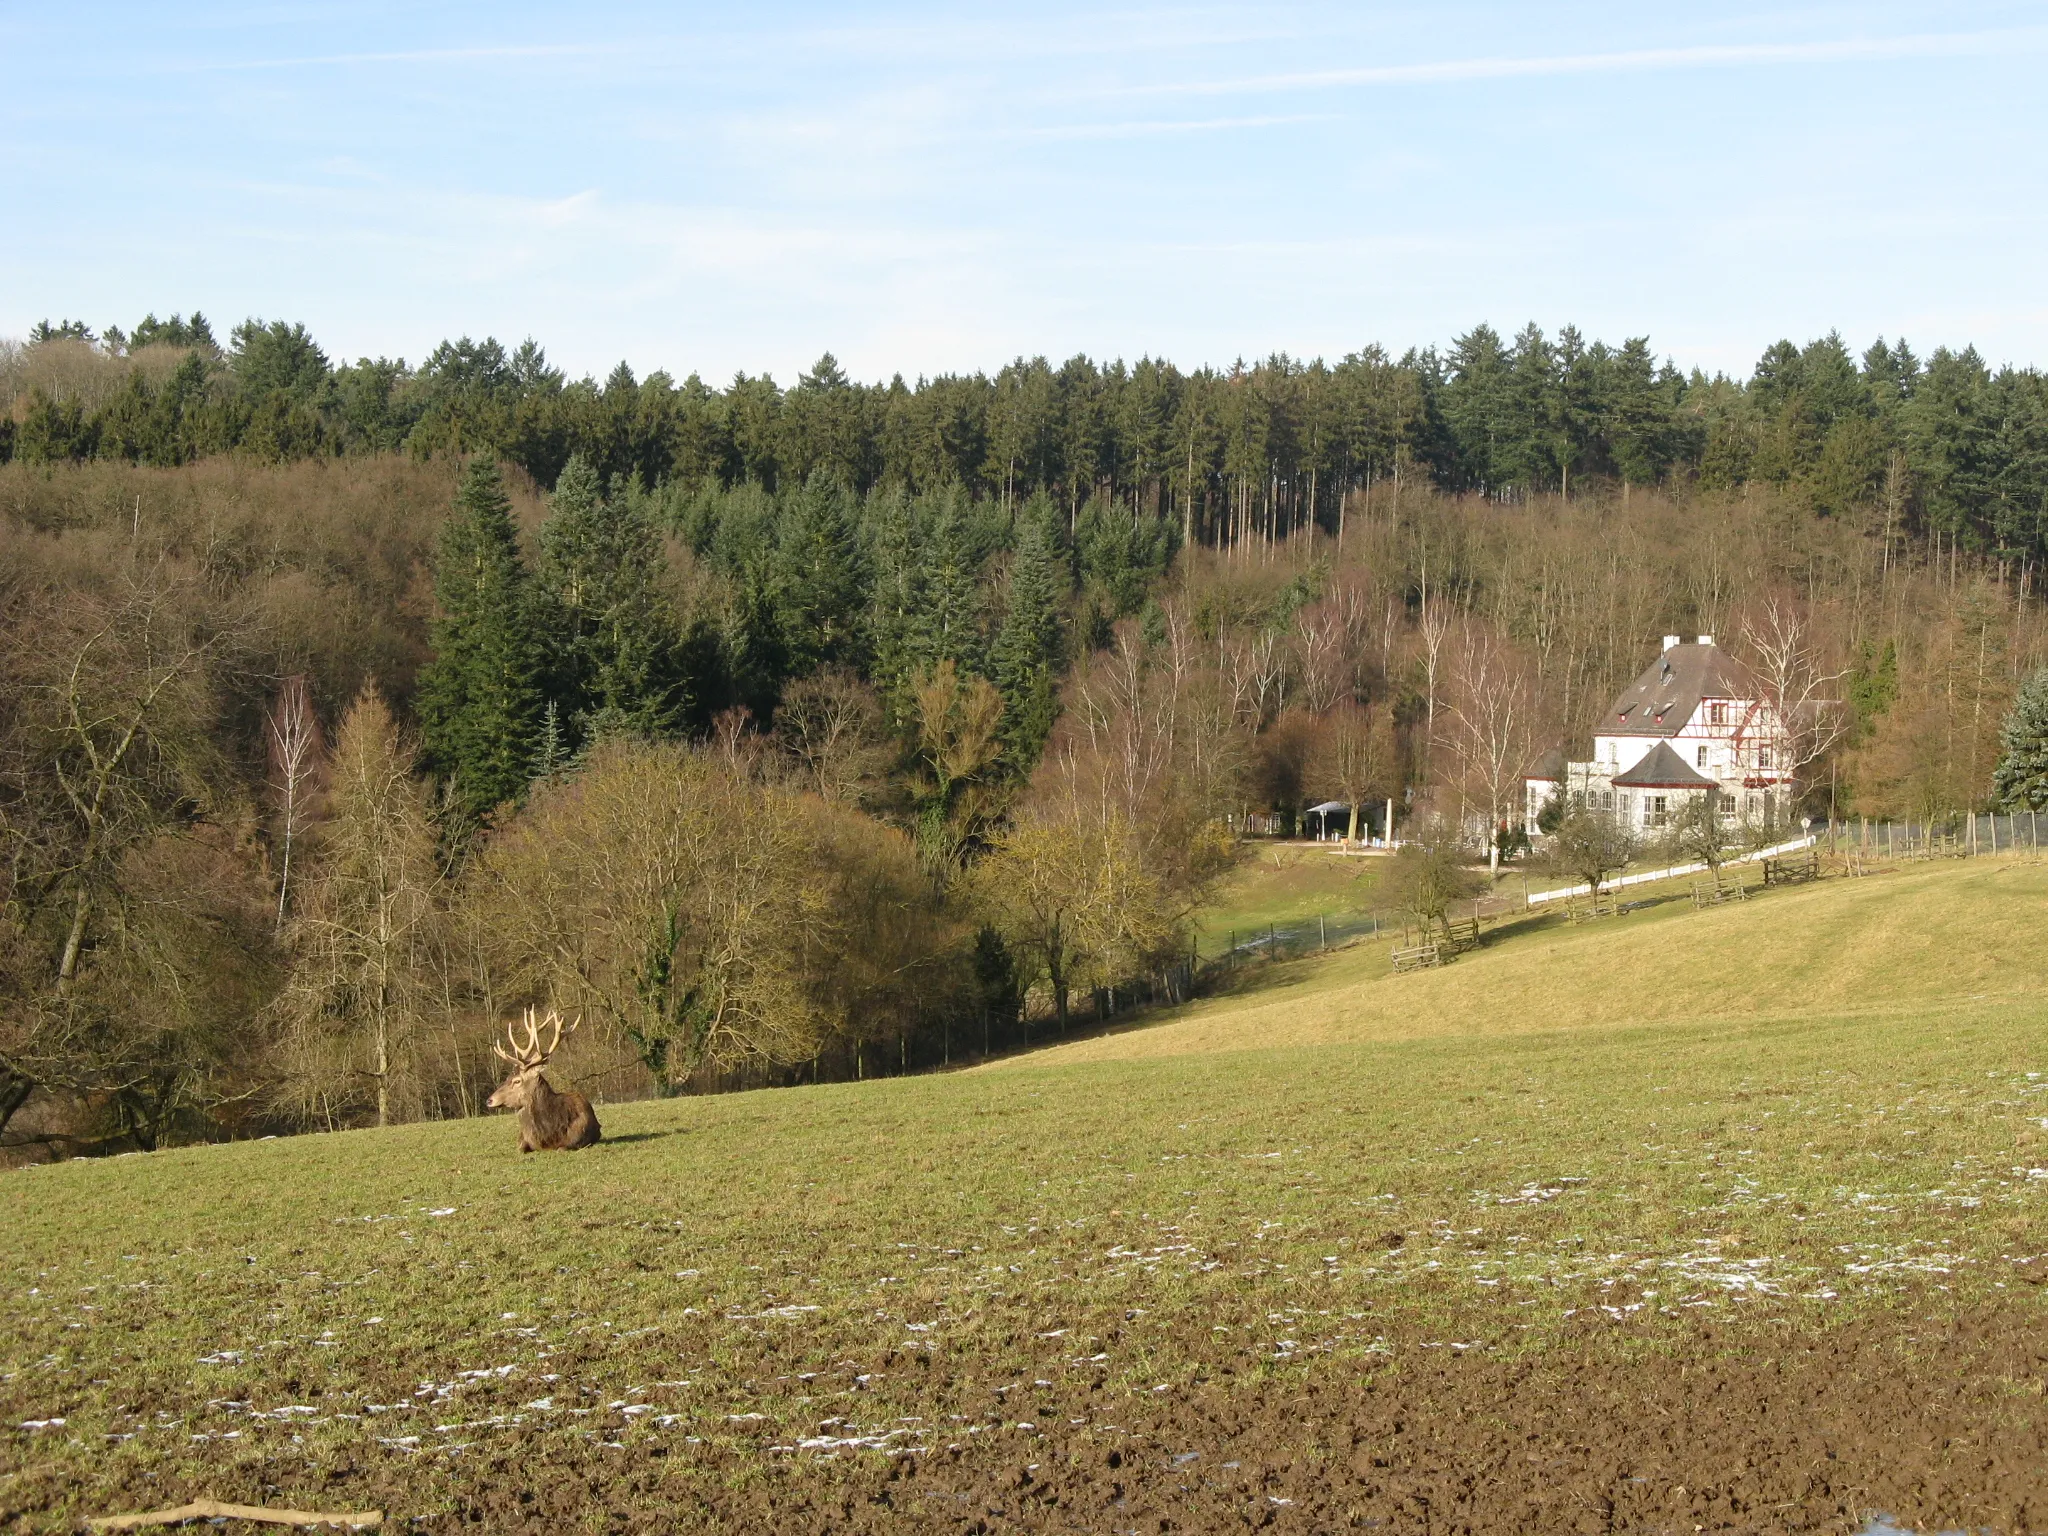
{"points": [[1698, 1274]]}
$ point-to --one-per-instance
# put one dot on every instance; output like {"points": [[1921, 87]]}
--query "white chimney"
{"points": [[1706, 639], [1670, 641]]}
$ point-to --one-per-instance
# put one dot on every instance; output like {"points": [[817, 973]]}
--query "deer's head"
{"points": [[526, 1057]]}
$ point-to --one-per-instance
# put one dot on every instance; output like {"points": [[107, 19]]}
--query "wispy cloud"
{"points": [[1133, 130], [2003, 41], [413, 56]]}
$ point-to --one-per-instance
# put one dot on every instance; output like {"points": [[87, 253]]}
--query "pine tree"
{"points": [[2020, 782], [1029, 647], [613, 637], [480, 698]]}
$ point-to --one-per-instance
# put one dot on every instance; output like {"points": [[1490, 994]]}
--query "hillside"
{"points": [[1755, 1266], [1918, 942]]}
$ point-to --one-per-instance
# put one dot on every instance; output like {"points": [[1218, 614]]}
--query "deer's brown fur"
{"points": [[550, 1120]]}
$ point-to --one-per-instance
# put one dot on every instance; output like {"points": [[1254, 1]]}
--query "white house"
{"points": [[1691, 722]]}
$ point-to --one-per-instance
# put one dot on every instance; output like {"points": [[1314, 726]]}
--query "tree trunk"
{"points": [[74, 941], [383, 1064], [14, 1092]]}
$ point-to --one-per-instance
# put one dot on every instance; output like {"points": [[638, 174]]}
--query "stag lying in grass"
{"points": [[549, 1121]]}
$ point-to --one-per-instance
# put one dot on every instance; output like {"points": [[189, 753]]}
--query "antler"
{"points": [[523, 1054], [530, 1053]]}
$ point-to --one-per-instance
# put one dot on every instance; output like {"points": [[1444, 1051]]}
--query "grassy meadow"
{"points": [[1821, 1108], [1283, 885]]}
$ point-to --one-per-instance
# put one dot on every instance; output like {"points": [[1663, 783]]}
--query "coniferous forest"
{"points": [[781, 734], [1254, 451]]}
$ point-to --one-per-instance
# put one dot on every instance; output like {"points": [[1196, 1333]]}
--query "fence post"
{"points": [[1323, 924]]}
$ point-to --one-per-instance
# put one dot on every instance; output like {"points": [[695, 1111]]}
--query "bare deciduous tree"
{"points": [[108, 757], [959, 742], [662, 892], [1429, 873], [1359, 761], [831, 725], [1491, 710], [1071, 896], [364, 938], [1793, 684], [1696, 831], [294, 738], [1589, 844]]}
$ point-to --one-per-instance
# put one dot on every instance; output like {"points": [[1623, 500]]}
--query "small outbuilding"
{"points": [[1328, 821]]}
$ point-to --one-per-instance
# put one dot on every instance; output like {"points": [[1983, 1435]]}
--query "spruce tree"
{"points": [[1029, 647], [2020, 782], [822, 590], [480, 697], [613, 650]]}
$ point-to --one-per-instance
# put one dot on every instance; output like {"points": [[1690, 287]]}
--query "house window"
{"points": [[1654, 810], [1763, 756], [1717, 714], [1703, 757]]}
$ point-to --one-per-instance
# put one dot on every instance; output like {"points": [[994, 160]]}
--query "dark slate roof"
{"points": [[1668, 694], [1662, 768], [1549, 768]]}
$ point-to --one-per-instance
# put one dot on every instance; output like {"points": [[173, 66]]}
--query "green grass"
{"points": [[884, 1257], [1283, 884]]}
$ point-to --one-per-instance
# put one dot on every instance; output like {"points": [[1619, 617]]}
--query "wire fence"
{"points": [[1293, 937], [1953, 837]]}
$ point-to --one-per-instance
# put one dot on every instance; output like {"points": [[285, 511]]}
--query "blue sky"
{"points": [[922, 188]]}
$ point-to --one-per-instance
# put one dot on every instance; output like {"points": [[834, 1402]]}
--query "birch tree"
{"points": [[1491, 709]]}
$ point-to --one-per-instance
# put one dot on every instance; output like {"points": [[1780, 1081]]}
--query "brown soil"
{"points": [[1753, 1427]]}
